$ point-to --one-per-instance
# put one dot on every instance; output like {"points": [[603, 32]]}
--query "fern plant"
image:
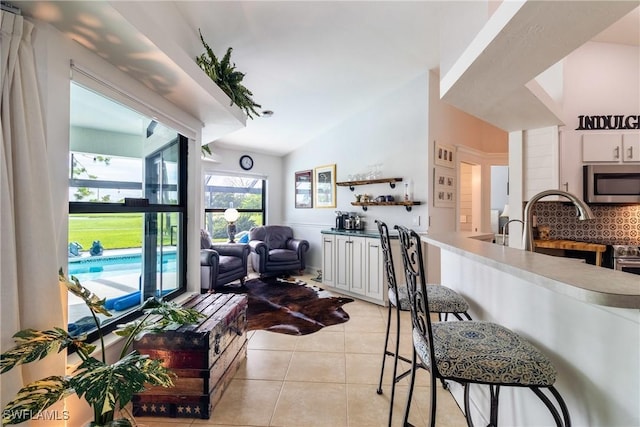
{"points": [[224, 74], [105, 387]]}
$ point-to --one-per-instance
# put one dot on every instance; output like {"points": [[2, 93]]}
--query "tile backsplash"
{"points": [[613, 224]]}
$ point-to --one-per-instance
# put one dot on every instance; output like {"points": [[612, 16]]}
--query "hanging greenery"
{"points": [[224, 74]]}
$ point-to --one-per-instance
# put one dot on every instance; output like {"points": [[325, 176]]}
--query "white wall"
{"points": [[499, 185], [399, 131], [392, 131], [541, 165]]}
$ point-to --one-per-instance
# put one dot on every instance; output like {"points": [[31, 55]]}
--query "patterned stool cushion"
{"points": [[485, 352], [441, 299], [445, 300], [403, 298]]}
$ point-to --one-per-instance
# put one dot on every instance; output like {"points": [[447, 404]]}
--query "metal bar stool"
{"points": [[472, 351], [442, 300]]}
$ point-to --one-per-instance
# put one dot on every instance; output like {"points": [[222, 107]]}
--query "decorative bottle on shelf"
{"points": [[406, 191]]}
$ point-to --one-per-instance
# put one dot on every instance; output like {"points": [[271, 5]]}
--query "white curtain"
{"points": [[30, 295]]}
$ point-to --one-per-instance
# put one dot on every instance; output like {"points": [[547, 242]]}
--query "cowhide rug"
{"points": [[290, 306]]}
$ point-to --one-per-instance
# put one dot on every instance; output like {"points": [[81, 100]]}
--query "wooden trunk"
{"points": [[204, 357]]}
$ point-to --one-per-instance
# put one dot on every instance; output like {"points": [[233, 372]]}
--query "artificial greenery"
{"points": [[105, 387], [224, 74]]}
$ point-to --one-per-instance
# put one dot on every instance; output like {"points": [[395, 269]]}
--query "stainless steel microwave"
{"points": [[612, 184]]}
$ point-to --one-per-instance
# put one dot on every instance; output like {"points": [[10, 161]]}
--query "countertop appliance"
{"points": [[626, 258], [340, 219], [349, 221], [611, 183]]}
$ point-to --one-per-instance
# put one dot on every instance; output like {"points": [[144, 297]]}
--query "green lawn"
{"points": [[115, 231], [119, 231]]}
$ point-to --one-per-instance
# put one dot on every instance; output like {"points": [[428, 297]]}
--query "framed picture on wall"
{"points": [[444, 155], [324, 186], [304, 189], [444, 187]]}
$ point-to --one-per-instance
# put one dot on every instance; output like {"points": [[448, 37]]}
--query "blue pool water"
{"points": [[97, 267]]}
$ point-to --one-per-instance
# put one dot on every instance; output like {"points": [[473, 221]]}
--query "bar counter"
{"points": [[585, 318], [588, 283]]}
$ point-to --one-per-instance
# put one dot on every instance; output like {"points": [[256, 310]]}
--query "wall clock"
{"points": [[246, 162]]}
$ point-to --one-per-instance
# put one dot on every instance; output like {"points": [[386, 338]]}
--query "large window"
{"points": [[127, 207], [245, 194]]}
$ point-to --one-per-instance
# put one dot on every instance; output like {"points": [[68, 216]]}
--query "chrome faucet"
{"points": [[505, 228], [584, 213]]}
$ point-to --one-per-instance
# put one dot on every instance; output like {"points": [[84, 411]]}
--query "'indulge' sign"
{"points": [[616, 122]]}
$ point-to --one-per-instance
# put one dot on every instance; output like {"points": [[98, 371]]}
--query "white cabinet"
{"points": [[631, 147], [601, 147], [328, 251], [610, 147], [350, 263], [353, 266], [375, 283]]}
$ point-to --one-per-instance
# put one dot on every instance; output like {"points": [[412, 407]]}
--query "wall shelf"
{"points": [[392, 184], [353, 184], [365, 205]]}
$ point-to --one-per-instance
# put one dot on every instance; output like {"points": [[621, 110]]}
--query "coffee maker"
{"points": [[341, 218]]}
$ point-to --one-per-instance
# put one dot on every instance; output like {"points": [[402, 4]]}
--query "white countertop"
{"points": [[585, 282]]}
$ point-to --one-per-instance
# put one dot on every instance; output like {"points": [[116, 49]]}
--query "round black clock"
{"points": [[246, 162]]}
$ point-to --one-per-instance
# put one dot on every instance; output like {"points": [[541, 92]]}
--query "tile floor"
{"points": [[325, 379]]}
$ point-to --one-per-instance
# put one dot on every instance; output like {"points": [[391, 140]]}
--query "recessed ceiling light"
{"points": [[266, 113]]}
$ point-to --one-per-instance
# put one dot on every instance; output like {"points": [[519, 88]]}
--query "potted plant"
{"points": [[105, 387], [224, 74]]}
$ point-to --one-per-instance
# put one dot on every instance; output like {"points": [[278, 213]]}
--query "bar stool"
{"points": [[472, 351], [442, 300]]}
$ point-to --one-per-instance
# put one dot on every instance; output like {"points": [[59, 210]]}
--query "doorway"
{"points": [[470, 200]]}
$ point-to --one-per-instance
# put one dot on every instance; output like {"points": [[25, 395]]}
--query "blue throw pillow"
{"points": [[244, 238]]}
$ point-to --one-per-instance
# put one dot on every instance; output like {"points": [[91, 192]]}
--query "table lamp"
{"points": [[231, 215]]}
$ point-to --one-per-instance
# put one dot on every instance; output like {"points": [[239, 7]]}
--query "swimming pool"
{"points": [[100, 267]]}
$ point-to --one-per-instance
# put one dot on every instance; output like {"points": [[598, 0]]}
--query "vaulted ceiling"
{"points": [[315, 63]]}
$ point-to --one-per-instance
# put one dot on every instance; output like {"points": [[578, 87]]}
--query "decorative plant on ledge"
{"points": [[105, 387], [224, 75]]}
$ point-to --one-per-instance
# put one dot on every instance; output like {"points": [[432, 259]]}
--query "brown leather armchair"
{"points": [[221, 263], [274, 250]]}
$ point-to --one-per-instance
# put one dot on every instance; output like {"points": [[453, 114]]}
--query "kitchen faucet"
{"points": [[504, 229], [584, 212]]}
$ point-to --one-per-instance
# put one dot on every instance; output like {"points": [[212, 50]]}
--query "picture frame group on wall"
{"points": [[304, 189], [444, 155], [324, 186], [444, 187]]}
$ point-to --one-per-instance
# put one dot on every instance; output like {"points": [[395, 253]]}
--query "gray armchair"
{"points": [[274, 250], [221, 263]]}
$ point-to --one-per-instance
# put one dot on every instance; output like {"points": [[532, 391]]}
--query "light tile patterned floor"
{"points": [[325, 379]]}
